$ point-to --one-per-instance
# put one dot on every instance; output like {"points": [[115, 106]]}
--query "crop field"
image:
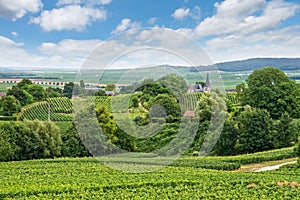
{"points": [[87, 178], [57, 109]]}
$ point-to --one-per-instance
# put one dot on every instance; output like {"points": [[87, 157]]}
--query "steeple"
{"points": [[207, 87]]}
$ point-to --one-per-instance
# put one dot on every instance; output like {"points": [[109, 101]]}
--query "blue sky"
{"points": [[62, 33]]}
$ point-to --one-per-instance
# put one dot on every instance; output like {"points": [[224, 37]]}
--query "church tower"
{"points": [[207, 87]]}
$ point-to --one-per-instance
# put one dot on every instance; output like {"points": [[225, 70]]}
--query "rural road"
{"points": [[267, 168]]}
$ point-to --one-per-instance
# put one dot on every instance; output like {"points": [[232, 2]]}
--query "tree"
{"points": [[100, 93], [211, 111], [24, 82], [81, 84], [135, 101], [269, 88], [72, 145], [53, 92], [110, 87], [9, 105], [48, 138], [36, 91], [70, 89], [227, 140], [283, 135], [6, 148], [255, 128], [23, 96], [175, 84], [105, 119], [169, 103]]}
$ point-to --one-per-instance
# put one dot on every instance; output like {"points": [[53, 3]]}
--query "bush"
{"points": [[29, 140]]}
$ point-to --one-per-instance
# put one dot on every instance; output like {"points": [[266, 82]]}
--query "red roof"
{"points": [[189, 113]]}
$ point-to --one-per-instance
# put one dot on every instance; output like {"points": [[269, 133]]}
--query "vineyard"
{"points": [[87, 178], [54, 109], [60, 108], [232, 97]]}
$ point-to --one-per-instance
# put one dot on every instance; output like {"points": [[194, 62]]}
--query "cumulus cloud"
{"points": [[72, 17], [70, 48], [181, 13], [13, 54], [64, 54], [152, 20], [125, 25], [273, 43], [240, 16], [15, 34], [15, 9]]}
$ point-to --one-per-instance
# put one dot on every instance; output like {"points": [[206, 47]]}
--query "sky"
{"points": [[65, 33]]}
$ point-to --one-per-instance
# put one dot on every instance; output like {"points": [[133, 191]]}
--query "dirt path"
{"points": [[273, 167], [265, 166]]}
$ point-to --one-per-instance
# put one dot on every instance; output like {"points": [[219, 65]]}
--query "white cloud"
{"points": [[15, 9], [125, 25], [152, 20], [240, 16], [195, 13], [88, 2], [73, 17], [13, 54], [15, 34], [181, 13], [65, 54], [77, 49], [274, 43]]}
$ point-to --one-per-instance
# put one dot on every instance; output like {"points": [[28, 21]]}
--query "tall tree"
{"points": [[269, 88], [255, 128], [283, 135]]}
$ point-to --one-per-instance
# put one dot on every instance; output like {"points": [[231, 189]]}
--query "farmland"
{"points": [[87, 178], [62, 166]]}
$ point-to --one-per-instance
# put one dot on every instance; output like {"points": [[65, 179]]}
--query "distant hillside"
{"points": [[255, 63]]}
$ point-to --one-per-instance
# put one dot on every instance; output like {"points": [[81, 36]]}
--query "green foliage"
{"points": [[71, 89], [21, 95], [60, 178], [135, 101], [168, 103], [270, 89], [37, 91], [175, 84], [9, 105], [72, 145], [29, 140], [24, 82], [60, 109], [107, 123], [283, 136], [255, 128], [298, 147], [110, 87], [7, 149], [48, 136], [53, 92], [100, 93], [227, 139]]}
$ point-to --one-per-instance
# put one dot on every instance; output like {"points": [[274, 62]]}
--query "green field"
{"points": [[87, 178]]}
